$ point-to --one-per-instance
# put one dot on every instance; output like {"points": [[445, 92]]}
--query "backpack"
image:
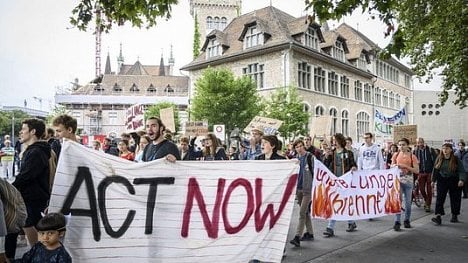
{"points": [[13, 206]]}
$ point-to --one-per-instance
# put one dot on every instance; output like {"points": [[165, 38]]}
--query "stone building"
{"points": [[100, 107], [336, 71]]}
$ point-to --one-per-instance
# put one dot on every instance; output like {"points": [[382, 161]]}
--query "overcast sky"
{"points": [[39, 51]]}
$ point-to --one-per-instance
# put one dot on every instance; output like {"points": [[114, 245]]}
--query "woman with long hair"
{"points": [[409, 165], [211, 149], [143, 142], [269, 149], [450, 177], [124, 152]]}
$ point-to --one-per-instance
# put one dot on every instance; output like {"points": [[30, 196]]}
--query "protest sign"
{"points": [[167, 117], [321, 126], [220, 211], [196, 128], [358, 195], [268, 125], [409, 132], [135, 118]]}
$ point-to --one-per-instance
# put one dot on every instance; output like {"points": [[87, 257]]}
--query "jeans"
{"points": [[331, 223], [406, 192]]}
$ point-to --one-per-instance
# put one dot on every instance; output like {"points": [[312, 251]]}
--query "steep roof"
{"points": [[137, 69]]}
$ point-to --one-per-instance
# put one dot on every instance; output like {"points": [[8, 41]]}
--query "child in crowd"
{"points": [[49, 248]]}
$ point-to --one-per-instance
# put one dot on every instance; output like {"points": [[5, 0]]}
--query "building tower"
{"points": [[120, 60], [214, 14], [171, 63]]}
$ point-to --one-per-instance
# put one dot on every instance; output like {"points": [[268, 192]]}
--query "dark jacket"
{"points": [[220, 154], [274, 156], [33, 178], [426, 157], [348, 161]]}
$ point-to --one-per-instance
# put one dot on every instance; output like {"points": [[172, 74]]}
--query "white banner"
{"points": [[355, 195], [384, 124], [220, 211]]}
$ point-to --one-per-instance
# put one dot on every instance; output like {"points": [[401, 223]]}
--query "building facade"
{"points": [[337, 72]]}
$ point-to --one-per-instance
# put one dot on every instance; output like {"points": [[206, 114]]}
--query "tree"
{"points": [[9, 117], [285, 104], [56, 111], [196, 39], [432, 33], [221, 98], [154, 111], [137, 12]]}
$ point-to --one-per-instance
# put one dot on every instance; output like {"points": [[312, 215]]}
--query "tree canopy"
{"points": [[154, 111], [6, 120], [432, 33], [220, 98]]}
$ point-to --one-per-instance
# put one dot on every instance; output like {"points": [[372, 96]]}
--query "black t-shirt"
{"points": [[157, 151]]}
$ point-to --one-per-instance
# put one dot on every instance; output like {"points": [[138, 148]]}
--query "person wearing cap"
{"points": [[255, 148], [450, 177], [50, 229]]}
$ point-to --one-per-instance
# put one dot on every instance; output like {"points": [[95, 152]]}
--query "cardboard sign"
{"points": [[135, 118], [321, 126], [409, 132], [268, 125], [167, 118], [158, 211], [196, 128]]}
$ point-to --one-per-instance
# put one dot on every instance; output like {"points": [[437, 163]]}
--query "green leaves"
{"points": [[196, 39], [154, 110]]}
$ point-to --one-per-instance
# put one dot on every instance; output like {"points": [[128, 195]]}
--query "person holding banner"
{"points": [[254, 149], [339, 161], [124, 151], [159, 147], [450, 177], [409, 165], [304, 193], [211, 150], [269, 149]]}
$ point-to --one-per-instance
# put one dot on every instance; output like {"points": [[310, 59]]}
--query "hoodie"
{"points": [[33, 178], [370, 158]]}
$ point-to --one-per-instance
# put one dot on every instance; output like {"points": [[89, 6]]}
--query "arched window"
{"points": [[209, 22], [319, 110], [306, 109], [345, 123], [333, 113], [216, 23], [223, 23], [362, 124]]}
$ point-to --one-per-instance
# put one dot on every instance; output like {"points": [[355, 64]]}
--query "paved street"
{"points": [[376, 241]]}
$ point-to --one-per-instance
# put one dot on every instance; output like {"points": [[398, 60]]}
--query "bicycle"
{"points": [[416, 196]]}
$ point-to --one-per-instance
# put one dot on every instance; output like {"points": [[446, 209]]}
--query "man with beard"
{"points": [[159, 147]]}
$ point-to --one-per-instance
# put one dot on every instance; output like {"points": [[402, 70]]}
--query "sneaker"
{"points": [[397, 226], [296, 241], [328, 232], [351, 227], [437, 220], [427, 208], [454, 219], [407, 224], [307, 237]]}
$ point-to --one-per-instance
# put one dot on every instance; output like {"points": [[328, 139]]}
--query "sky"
{"points": [[41, 53]]}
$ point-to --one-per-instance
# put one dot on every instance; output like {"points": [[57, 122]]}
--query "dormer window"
{"points": [[213, 49], [362, 61], [338, 51], [117, 88], [311, 38], [151, 89], [134, 88], [98, 87], [253, 37]]}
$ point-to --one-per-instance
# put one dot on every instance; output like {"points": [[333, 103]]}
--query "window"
{"points": [[367, 93], [358, 90], [306, 109], [311, 38], [345, 123], [214, 48], [397, 101], [333, 114], [333, 84], [112, 117], [134, 88], [385, 98], [344, 87], [407, 81], [388, 72], [98, 87], [168, 89], [362, 123], [319, 79], [362, 62], [209, 22], [117, 88], [303, 75], [338, 51], [255, 72], [223, 23], [391, 100], [216, 23], [77, 116], [378, 96], [151, 89], [319, 110], [253, 37]]}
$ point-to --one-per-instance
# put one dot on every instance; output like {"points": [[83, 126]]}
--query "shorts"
{"points": [[34, 213]]}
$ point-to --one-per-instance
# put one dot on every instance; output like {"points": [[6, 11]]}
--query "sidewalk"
{"points": [[376, 241]]}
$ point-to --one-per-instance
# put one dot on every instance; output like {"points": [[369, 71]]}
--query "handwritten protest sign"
{"points": [[135, 118], [167, 117], [268, 125], [409, 132], [219, 211], [353, 196], [196, 128], [321, 126]]}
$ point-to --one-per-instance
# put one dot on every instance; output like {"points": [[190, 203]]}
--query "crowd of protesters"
{"points": [[39, 148]]}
